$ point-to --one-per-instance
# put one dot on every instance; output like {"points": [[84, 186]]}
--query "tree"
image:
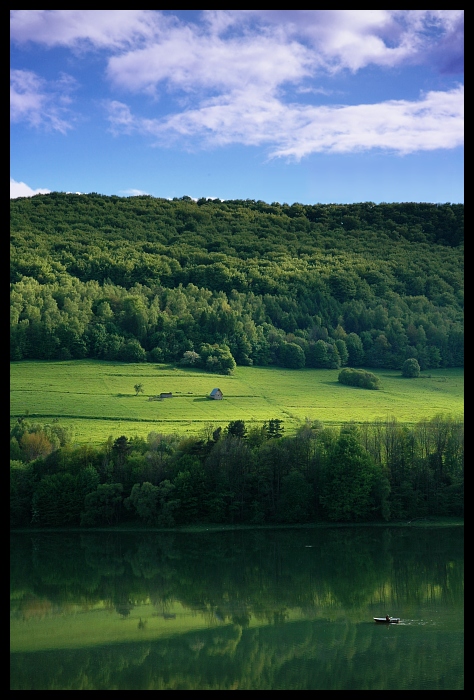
{"points": [[411, 368], [342, 350], [22, 487], [294, 504], [355, 350], [190, 358], [237, 429], [103, 506], [131, 351], [318, 354], [350, 476], [56, 502], [144, 498], [35, 444], [274, 428], [217, 358], [138, 389], [292, 356]]}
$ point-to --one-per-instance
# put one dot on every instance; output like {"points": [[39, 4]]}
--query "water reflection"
{"points": [[238, 610]]}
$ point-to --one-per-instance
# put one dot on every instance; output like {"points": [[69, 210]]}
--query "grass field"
{"points": [[97, 399]]}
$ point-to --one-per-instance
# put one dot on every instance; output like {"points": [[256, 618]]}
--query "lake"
{"points": [[278, 609]]}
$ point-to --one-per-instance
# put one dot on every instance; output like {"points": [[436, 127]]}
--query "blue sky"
{"points": [[310, 106]]}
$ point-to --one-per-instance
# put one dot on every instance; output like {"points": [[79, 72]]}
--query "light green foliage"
{"points": [[216, 358]]}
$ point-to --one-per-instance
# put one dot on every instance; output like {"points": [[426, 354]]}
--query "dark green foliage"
{"points": [[57, 501], [103, 506], [342, 351], [131, 351], [350, 476], [318, 355], [273, 428], [411, 368], [296, 496], [381, 471], [22, 487], [355, 350], [237, 429], [153, 504], [135, 279], [292, 356], [359, 377]]}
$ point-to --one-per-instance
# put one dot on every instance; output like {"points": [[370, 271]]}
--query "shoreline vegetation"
{"points": [[385, 471], [416, 522]]}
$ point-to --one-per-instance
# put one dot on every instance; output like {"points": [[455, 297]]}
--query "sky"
{"points": [[309, 106]]}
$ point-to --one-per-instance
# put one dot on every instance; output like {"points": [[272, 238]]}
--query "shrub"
{"points": [[359, 377], [411, 368], [131, 351]]}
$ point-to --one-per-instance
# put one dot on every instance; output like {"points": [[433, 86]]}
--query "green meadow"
{"points": [[97, 399]]}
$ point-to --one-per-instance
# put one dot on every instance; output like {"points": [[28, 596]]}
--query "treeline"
{"points": [[143, 279], [257, 475]]}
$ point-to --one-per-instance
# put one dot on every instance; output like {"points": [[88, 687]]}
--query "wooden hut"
{"points": [[216, 394]]}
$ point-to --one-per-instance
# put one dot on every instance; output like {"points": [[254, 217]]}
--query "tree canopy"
{"points": [[142, 279]]}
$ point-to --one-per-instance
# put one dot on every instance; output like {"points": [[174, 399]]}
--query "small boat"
{"points": [[387, 622]]}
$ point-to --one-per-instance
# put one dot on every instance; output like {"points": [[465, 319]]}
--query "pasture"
{"points": [[96, 399]]}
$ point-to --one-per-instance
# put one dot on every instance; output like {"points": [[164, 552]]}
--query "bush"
{"points": [[359, 377], [411, 368], [216, 358], [131, 351]]}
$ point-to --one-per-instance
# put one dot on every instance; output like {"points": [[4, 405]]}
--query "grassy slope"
{"points": [[97, 399]]}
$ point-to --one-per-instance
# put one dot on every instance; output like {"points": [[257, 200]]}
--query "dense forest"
{"points": [[238, 475], [214, 283]]}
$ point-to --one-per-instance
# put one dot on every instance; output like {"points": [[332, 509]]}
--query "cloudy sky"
{"points": [[279, 105]]}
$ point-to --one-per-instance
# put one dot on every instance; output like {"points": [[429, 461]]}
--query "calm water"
{"points": [[264, 609]]}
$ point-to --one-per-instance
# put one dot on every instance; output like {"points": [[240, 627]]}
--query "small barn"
{"points": [[216, 394]]}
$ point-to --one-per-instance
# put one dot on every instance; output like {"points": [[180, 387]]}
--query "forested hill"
{"points": [[217, 282]]}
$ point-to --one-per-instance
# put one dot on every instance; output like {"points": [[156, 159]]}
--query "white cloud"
{"points": [[21, 189], [133, 193], [83, 28], [38, 102], [354, 39], [189, 61], [229, 74], [163, 47], [400, 126]]}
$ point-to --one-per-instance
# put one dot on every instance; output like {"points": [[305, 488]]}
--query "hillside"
{"points": [[145, 279]]}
